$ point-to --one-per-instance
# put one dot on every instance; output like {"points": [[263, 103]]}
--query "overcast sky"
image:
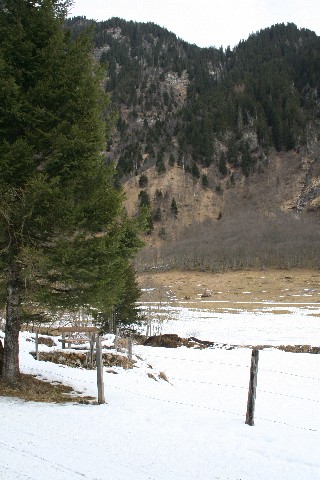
{"points": [[207, 22]]}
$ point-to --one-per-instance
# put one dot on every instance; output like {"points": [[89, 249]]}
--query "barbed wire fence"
{"points": [[224, 385]]}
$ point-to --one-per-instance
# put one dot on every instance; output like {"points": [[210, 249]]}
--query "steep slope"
{"points": [[205, 137]]}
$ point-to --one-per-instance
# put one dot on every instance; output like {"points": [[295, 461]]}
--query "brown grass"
{"points": [[79, 359], [31, 389], [163, 376], [269, 285], [46, 341]]}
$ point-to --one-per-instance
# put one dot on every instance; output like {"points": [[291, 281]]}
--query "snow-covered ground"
{"points": [[192, 427], [264, 323]]}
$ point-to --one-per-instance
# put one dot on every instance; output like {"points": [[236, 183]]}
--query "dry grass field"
{"points": [[282, 286]]}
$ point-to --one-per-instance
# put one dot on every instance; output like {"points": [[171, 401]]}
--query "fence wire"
{"points": [[194, 405]]}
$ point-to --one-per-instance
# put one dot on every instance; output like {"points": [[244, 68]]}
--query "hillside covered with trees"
{"points": [[206, 136], [183, 100]]}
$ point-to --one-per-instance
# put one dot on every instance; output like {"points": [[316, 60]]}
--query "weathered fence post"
{"points": [[129, 347], [252, 387], [114, 323], [63, 343], [37, 344], [116, 338], [99, 362], [148, 332], [92, 340]]}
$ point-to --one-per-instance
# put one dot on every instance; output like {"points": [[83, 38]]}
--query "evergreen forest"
{"points": [[177, 99]]}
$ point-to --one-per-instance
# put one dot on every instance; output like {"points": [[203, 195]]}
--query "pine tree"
{"points": [[143, 181], [157, 215], [144, 199], [222, 165], [195, 171], [171, 160], [65, 239], [174, 208], [205, 181], [126, 310]]}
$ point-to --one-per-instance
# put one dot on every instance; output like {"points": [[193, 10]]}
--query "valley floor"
{"points": [[273, 285]]}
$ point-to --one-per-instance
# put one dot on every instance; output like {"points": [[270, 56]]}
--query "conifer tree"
{"points": [[64, 238], [126, 311], [174, 208]]}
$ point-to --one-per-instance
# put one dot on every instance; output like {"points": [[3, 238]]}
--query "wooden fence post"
{"points": [[99, 362], [92, 340], [116, 338], [37, 344], [252, 387], [148, 332], [114, 323], [63, 343], [129, 347]]}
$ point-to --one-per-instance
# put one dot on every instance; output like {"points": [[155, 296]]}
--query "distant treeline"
{"points": [[246, 241]]}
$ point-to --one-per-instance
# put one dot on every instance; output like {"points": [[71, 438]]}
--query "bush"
{"points": [[205, 181], [143, 181], [174, 208]]}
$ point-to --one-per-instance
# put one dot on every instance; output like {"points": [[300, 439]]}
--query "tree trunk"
{"points": [[1, 358], [10, 368]]}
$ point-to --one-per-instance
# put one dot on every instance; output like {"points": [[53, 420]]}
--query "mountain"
{"points": [[220, 147]]}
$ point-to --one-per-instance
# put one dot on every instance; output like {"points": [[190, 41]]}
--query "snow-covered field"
{"points": [[264, 323], [192, 427]]}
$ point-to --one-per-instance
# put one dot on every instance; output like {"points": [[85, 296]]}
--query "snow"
{"points": [[192, 427], [268, 323]]}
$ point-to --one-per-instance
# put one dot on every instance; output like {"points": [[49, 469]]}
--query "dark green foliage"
{"points": [[65, 239], [161, 168], [174, 208], [233, 152], [205, 181], [222, 165], [143, 181], [149, 226], [272, 60], [130, 158], [195, 171], [247, 161], [144, 199], [157, 215], [171, 160], [149, 148], [162, 233], [219, 189], [126, 310], [122, 126], [268, 85], [145, 211], [158, 195]]}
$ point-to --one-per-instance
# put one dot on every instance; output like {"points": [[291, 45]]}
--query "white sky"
{"points": [[207, 22]]}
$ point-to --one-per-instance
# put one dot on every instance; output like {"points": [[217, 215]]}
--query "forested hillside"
{"points": [[205, 137]]}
